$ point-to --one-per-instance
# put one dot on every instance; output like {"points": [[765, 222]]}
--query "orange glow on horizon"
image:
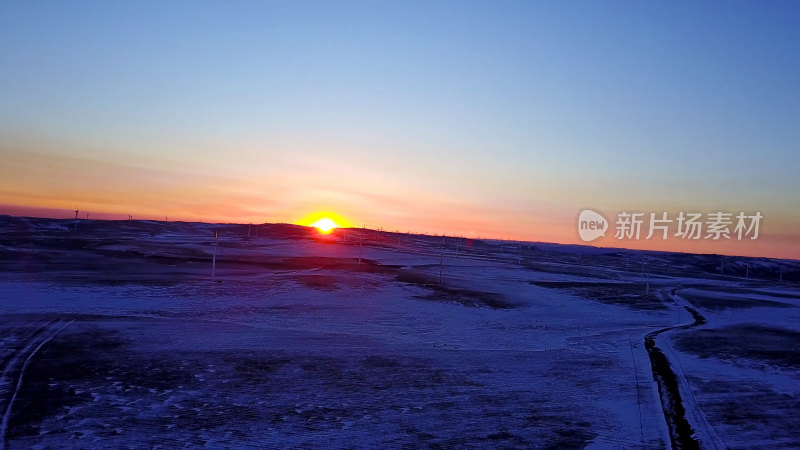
{"points": [[777, 241]]}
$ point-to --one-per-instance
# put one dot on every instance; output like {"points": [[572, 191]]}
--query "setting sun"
{"points": [[325, 221], [325, 225]]}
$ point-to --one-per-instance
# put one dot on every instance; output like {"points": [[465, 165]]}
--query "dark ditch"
{"points": [[745, 345], [631, 295], [105, 267], [681, 433], [715, 303], [442, 293]]}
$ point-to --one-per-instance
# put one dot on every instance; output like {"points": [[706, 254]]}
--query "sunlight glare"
{"points": [[325, 225]]}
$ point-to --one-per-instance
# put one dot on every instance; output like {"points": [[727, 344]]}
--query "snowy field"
{"points": [[114, 335]]}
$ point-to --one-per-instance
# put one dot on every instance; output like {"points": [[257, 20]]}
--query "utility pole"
{"points": [[214, 257], [76, 220], [441, 263], [641, 274], [645, 275]]}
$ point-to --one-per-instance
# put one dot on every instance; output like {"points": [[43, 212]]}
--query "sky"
{"points": [[481, 119]]}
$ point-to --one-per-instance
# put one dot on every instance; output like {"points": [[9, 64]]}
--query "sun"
{"points": [[325, 225], [325, 221]]}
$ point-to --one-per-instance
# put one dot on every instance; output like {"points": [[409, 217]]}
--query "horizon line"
{"points": [[381, 230]]}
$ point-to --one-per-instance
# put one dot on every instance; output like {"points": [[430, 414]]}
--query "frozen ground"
{"points": [[114, 335]]}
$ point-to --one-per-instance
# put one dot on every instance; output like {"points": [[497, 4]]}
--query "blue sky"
{"points": [[495, 109]]}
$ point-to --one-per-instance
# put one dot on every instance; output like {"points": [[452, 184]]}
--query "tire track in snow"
{"points": [[20, 362], [12, 359]]}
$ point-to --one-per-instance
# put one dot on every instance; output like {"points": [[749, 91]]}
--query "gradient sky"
{"points": [[492, 119]]}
